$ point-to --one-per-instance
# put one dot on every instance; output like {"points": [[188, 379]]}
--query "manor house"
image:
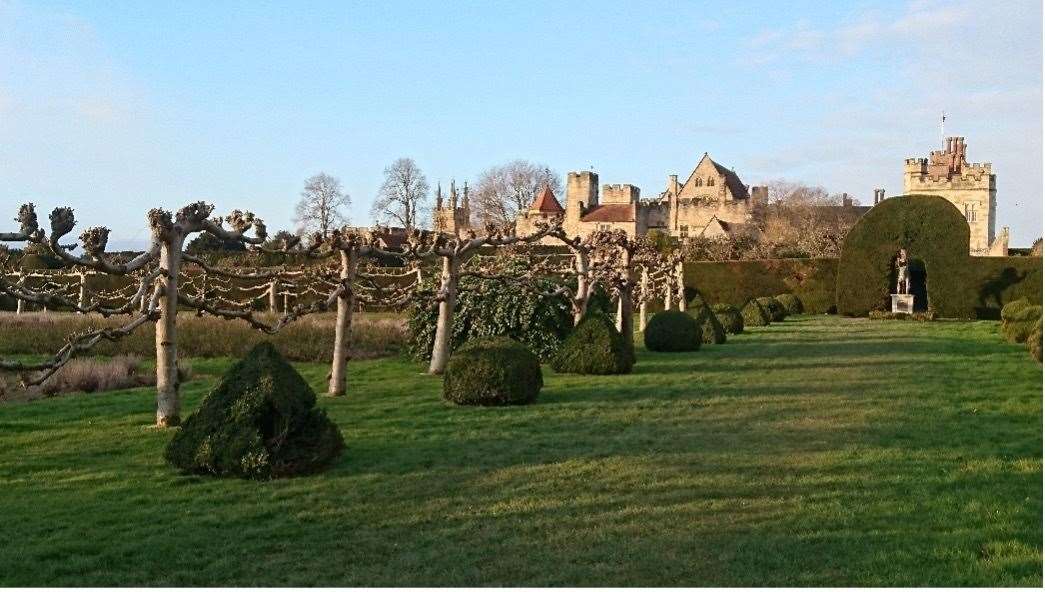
{"points": [[711, 202], [970, 187]]}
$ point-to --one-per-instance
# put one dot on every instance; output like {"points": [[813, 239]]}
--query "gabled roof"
{"points": [[546, 202], [736, 186], [610, 213]]}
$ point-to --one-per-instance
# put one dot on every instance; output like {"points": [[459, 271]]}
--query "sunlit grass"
{"points": [[818, 451]]}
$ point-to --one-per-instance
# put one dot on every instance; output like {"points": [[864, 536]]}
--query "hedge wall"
{"points": [[936, 237], [736, 282]]}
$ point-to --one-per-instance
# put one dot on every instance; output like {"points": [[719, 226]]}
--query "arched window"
{"points": [[699, 183], [711, 181]]}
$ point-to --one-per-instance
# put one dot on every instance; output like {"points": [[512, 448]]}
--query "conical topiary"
{"points": [[711, 330], [729, 317], [595, 347], [791, 303], [775, 310], [754, 315], [260, 421]]}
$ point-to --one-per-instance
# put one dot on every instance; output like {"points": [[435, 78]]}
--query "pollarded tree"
{"points": [[454, 252], [157, 297]]}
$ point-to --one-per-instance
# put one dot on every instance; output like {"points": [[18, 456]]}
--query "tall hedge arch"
{"points": [[935, 235]]}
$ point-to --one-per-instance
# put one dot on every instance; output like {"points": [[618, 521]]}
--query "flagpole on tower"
{"points": [[943, 138]]}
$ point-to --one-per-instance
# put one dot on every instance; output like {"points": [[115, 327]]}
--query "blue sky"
{"points": [[116, 107]]}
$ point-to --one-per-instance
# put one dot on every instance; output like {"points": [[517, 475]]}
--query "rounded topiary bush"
{"points": [[1021, 324], [492, 371], [776, 310], [595, 347], [1034, 342], [259, 422], [1011, 309], [672, 331], [729, 317], [791, 303], [754, 314]]}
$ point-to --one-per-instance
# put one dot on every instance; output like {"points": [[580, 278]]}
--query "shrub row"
{"points": [[736, 282]]}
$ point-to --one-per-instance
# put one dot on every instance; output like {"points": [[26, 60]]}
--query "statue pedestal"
{"points": [[903, 303]]}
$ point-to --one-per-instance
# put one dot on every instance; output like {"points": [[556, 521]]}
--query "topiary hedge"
{"points": [[791, 303], [1020, 324], [775, 310], [711, 331], [672, 331], [595, 347], [736, 282], [1034, 342], [729, 317], [754, 314], [260, 421], [936, 237], [491, 371]]}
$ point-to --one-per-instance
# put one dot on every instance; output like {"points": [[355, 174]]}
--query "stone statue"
{"points": [[903, 276]]}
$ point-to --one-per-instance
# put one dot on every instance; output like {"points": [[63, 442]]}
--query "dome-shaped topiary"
{"points": [[492, 371], [792, 304], [595, 347], [672, 331], [1021, 324], [1034, 342], [754, 314], [776, 311], [729, 317], [1009, 311], [259, 422]]}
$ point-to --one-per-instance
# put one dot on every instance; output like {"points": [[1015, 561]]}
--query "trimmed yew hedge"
{"points": [[936, 237], [736, 282]]}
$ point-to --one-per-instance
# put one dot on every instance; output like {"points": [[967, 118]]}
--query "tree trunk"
{"points": [[168, 402], [81, 299], [343, 326], [620, 314], [580, 300], [20, 306], [681, 286], [273, 302], [444, 327], [668, 293], [627, 324], [645, 297]]}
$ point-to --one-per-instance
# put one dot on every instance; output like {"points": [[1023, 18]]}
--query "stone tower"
{"points": [[451, 217], [582, 194], [971, 187]]}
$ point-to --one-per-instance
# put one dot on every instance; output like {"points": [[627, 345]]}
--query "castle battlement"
{"points": [[969, 186]]}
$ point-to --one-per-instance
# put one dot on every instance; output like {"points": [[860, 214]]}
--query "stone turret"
{"points": [[971, 187]]}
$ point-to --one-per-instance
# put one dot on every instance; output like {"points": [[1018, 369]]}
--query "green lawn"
{"points": [[817, 451]]}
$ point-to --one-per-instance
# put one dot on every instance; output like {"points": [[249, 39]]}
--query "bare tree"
{"points": [[404, 190], [321, 205], [503, 191]]}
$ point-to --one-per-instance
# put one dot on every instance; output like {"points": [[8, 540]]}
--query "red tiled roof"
{"points": [[610, 213], [546, 202]]}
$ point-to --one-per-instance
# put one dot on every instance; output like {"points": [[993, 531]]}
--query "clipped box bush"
{"points": [[1010, 310], [491, 371], [755, 315], [729, 317], [1021, 324], [595, 347], [672, 331], [791, 303], [776, 310], [711, 331], [1034, 342], [260, 421]]}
